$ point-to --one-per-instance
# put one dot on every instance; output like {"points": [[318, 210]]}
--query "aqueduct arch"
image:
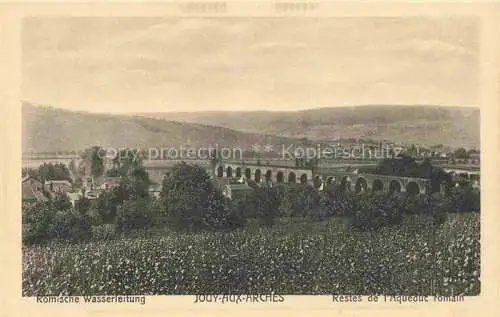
{"points": [[257, 175], [377, 185], [345, 183], [394, 187], [280, 179], [269, 176], [317, 181], [412, 188], [303, 178], [361, 185]]}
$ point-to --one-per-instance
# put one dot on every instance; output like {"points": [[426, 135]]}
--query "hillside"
{"points": [[46, 129], [426, 125]]}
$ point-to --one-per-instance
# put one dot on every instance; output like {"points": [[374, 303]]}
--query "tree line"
{"points": [[190, 201], [48, 172]]}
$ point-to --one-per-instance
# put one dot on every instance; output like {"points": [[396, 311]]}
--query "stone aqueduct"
{"points": [[351, 181]]}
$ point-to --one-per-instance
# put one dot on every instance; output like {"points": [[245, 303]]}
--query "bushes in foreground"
{"points": [[464, 198], [191, 202], [43, 223], [374, 211]]}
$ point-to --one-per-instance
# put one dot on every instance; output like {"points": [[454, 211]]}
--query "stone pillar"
{"points": [[422, 189], [442, 189], [403, 186]]}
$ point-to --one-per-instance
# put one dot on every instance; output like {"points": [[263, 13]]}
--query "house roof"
{"points": [[226, 181], [74, 195], [236, 187], [39, 196], [61, 182], [154, 187], [25, 178], [30, 193], [109, 180]]}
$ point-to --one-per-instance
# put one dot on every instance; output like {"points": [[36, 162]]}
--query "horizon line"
{"points": [[322, 107]]}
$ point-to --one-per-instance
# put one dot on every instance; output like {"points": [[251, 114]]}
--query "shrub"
{"points": [[300, 200], [220, 215], [104, 232], [464, 198], [62, 202], [82, 205], [134, 215], [42, 222], [104, 208], [374, 211], [245, 206], [37, 222], [337, 202], [268, 204], [79, 227]]}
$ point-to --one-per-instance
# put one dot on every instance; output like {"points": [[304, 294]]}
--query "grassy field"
{"points": [[299, 257]]}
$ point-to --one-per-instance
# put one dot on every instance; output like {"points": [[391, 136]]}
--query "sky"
{"points": [[126, 65]]}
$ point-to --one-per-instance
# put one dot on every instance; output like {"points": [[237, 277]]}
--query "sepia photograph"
{"points": [[255, 157]]}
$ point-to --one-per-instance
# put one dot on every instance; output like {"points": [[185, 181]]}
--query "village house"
{"points": [[92, 194], [100, 183], [32, 190], [232, 188], [77, 195], [58, 187], [155, 190], [108, 183], [236, 190], [74, 197], [87, 182]]}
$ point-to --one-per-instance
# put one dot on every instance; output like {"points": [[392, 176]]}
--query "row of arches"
{"points": [[258, 176], [361, 185]]}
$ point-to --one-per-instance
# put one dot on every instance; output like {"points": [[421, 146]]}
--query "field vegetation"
{"points": [[282, 239]]}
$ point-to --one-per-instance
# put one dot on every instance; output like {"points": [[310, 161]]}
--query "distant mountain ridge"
{"points": [[47, 129], [426, 125]]}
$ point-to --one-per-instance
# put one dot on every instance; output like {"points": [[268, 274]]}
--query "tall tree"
{"points": [[190, 199], [93, 161], [50, 171], [460, 153]]}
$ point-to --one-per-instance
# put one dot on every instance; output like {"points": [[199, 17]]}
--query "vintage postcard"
{"points": [[286, 157]]}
